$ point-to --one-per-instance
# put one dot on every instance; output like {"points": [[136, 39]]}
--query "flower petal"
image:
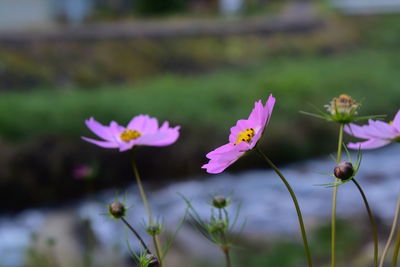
{"points": [[163, 137], [99, 129], [396, 121], [222, 157], [370, 144], [144, 124], [101, 143], [356, 130]]}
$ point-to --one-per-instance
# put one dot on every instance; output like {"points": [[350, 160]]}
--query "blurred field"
{"points": [[47, 120]]}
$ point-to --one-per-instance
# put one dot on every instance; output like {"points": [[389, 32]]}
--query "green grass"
{"points": [[215, 100]]}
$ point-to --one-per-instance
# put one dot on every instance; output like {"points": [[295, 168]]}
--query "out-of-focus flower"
{"points": [[244, 137], [342, 109], [142, 130], [83, 172], [342, 105], [377, 133]]}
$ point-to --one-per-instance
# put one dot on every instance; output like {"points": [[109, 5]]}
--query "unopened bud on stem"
{"points": [[344, 170], [117, 210], [220, 202]]}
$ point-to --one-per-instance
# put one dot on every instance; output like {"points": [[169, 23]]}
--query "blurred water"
{"points": [[265, 201]]}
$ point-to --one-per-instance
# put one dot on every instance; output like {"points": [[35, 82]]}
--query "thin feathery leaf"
{"points": [[313, 115]]}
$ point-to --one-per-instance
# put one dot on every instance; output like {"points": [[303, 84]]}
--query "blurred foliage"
{"points": [[285, 252], [157, 7], [40, 127]]}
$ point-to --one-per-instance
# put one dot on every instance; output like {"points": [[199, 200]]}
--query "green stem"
{"points": [[396, 250], [225, 248], [141, 190], [227, 257], [372, 220], [296, 204], [136, 234], [334, 197], [392, 232], [156, 240]]}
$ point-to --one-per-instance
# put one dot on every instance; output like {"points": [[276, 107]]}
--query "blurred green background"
{"points": [[192, 63]]}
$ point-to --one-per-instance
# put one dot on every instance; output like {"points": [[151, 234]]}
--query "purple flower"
{"points": [[142, 130], [377, 133], [82, 172], [244, 136]]}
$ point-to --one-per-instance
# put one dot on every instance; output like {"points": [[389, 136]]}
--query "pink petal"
{"points": [[101, 143], [370, 144], [221, 160], [382, 129], [396, 121], [99, 129], [356, 130], [257, 115], [161, 138], [269, 107], [144, 124]]}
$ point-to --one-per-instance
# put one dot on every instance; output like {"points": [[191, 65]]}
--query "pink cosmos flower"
{"points": [[244, 136], [142, 130], [377, 133]]}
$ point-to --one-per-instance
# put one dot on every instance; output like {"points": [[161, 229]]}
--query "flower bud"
{"points": [[153, 261], [343, 104], [117, 209], [218, 226], [219, 202], [344, 170], [154, 229]]}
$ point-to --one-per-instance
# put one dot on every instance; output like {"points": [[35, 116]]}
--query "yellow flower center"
{"points": [[390, 122], [245, 136], [129, 135]]}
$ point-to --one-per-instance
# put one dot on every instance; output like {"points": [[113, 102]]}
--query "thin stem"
{"points": [[225, 248], [227, 257], [296, 204], [334, 197], [156, 240], [372, 220], [392, 232], [396, 250], [137, 235], [141, 190]]}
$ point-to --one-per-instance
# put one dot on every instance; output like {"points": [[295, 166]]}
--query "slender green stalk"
{"points": [[334, 197], [227, 257], [396, 250], [225, 248], [141, 190], [392, 232], [296, 204], [372, 220], [137, 235], [156, 240]]}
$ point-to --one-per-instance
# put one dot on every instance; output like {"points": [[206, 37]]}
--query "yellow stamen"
{"points": [[129, 135], [390, 122], [245, 136]]}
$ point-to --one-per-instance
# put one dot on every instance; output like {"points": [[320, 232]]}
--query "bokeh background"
{"points": [[200, 64]]}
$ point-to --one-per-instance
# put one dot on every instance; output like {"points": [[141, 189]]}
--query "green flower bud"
{"points": [[220, 202], [154, 229]]}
